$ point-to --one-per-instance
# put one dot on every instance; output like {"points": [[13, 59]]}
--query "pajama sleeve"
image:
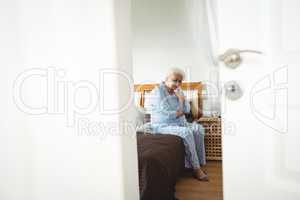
{"points": [[186, 104], [159, 105]]}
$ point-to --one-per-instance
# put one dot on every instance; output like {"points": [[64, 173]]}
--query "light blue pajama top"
{"points": [[163, 107]]}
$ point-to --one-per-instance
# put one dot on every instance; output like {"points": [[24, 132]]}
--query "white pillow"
{"points": [[146, 128], [139, 115]]}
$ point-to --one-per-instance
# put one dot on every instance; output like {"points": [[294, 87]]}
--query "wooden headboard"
{"points": [[142, 89]]}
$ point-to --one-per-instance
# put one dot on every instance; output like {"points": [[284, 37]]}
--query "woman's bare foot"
{"points": [[200, 175]]}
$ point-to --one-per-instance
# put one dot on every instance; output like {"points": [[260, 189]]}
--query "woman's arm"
{"points": [[184, 105], [159, 105]]}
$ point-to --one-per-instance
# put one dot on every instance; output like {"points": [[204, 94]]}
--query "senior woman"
{"points": [[168, 108]]}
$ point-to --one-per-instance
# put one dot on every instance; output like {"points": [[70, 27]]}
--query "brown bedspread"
{"points": [[161, 160]]}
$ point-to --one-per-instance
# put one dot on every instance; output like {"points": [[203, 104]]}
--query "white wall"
{"points": [[175, 33], [170, 33], [41, 158]]}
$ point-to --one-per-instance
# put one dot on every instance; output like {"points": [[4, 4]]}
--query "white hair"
{"points": [[177, 71]]}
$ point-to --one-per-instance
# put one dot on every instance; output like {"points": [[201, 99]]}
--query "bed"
{"points": [[161, 160], [160, 156]]}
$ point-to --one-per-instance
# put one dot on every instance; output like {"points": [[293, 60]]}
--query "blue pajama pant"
{"points": [[193, 139]]}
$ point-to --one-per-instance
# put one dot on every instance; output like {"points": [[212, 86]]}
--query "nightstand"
{"points": [[213, 133]]}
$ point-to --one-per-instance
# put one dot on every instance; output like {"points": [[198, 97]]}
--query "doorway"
{"points": [[178, 34]]}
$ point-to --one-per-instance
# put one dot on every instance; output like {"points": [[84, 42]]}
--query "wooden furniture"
{"points": [[212, 125], [194, 95], [213, 137]]}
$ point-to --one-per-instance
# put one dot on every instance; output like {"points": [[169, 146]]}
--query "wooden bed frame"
{"points": [[198, 86]]}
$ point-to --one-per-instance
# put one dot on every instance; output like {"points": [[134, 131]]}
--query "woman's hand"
{"points": [[179, 113], [180, 97]]}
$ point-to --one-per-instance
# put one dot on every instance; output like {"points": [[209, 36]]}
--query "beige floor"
{"points": [[188, 188]]}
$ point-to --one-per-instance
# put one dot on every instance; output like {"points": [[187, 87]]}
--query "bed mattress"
{"points": [[161, 160]]}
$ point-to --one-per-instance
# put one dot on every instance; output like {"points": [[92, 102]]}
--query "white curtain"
{"points": [[213, 97]]}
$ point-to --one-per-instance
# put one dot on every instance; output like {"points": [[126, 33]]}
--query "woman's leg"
{"points": [[193, 154], [199, 132], [186, 133]]}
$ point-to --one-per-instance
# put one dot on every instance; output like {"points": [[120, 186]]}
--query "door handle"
{"points": [[233, 91], [232, 57]]}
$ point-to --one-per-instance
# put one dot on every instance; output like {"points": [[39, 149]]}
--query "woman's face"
{"points": [[174, 81]]}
